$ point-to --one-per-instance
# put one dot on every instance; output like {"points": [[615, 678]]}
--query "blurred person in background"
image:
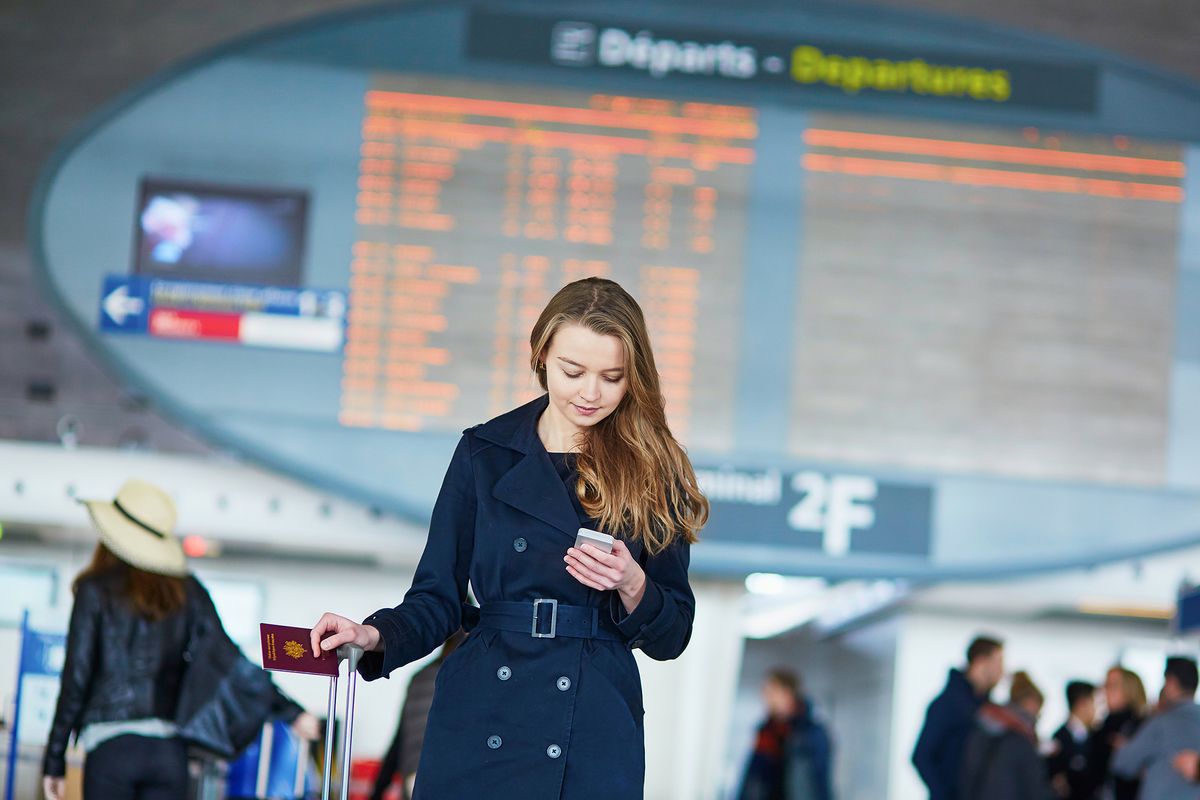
{"points": [[1000, 759], [951, 716], [1070, 772], [405, 751], [1125, 699], [1175, 727], [792, 752], [135, 608]]}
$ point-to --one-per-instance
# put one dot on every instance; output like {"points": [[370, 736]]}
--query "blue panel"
{"points": [[770, 285], [1189, 222], [1183, 454], [1187, 614], [1187, 321]]}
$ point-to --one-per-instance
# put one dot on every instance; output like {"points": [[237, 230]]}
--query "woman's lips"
{"points": [[585, 410]]}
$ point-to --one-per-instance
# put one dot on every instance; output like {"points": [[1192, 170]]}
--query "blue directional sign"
{"points": [[124, 304], [263, 316]]}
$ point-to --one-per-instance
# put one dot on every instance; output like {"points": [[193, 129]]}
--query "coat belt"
{"points": [[545, 618]]}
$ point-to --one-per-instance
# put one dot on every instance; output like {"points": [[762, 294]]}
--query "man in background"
{"points": [[1068, 765], [1175, 728], [951, 716]]}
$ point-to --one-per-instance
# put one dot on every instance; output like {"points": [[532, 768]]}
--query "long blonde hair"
{"points": [[1133, 689], [647, 486]]}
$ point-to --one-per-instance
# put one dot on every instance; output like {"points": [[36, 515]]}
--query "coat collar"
{"points": [[516, 429], [533, 485]]}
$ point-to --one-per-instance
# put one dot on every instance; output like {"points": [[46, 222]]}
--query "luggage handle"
{"points": [[350, 653]]}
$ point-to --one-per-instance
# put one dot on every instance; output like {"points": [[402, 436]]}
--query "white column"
{"points": [[689, 701]]}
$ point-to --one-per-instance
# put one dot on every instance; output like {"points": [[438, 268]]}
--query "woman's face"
{"points": [[585, 377], [1114, 692], [778, 699], [1032, 706]]}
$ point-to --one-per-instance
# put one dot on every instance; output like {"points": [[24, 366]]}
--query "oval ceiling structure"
{"points": [[913, 284]]}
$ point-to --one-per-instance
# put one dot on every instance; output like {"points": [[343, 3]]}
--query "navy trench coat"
{"points": [[515, 716]]}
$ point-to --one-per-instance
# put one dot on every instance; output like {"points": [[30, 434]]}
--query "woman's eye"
{"points": [[572, 374], [613, 380]]}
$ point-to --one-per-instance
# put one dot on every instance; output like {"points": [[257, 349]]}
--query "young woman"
{"points": [[1001, 759], [130, 625], [792, 751], [544, 699], [1125, 698]]}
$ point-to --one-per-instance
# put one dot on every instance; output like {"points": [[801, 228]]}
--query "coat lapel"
{"points": [[532, 485]]}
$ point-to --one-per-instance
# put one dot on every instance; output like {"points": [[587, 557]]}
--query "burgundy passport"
{"points": [[288, 649]]}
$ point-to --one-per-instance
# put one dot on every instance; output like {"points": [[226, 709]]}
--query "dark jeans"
{"points": [[136, 768]]}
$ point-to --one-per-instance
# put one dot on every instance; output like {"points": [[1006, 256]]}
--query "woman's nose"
{"points": [[590, 390]]}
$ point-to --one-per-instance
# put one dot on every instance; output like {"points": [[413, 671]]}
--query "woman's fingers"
{"points": [[586, 563], [598, 560], [337, 640], [584, 579], [601, 576], [613, 559], [330, 623]]}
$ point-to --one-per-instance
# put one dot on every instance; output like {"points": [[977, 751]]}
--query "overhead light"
{"points": [[770, 583], [766, 623], [1102, 609], [858, 599], [765, 583], [199, 547]]}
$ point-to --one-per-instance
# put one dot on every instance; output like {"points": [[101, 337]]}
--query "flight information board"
{"points": [[983, 299], [958, 283], [476, 203]]}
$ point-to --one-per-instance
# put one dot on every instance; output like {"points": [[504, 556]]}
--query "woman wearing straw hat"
{"points": [[135, 607]]}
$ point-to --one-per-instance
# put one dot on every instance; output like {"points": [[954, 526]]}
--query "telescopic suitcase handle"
{"points": [[350, 653]]}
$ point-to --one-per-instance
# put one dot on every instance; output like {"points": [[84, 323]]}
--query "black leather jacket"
{"points": [[121, 666]]}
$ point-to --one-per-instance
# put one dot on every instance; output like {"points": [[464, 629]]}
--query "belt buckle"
{"points": [[533, 631]]}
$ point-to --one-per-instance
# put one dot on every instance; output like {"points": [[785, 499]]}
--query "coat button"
{"points": [[554, 751], [494, 742], [519, 544], [504, 673], [564, 683]]}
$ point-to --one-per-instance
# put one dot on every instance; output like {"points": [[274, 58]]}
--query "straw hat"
{"points": [[138, 526]]}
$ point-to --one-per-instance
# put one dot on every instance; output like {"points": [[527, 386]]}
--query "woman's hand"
{"points": [[604, 572], [54, 788], [345, 631], [307, 727]]}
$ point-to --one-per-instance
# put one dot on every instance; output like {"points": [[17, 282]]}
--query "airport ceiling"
{"points": [[62, 60]]}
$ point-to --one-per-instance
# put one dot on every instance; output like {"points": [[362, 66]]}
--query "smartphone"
{"points": [[594, 538]]}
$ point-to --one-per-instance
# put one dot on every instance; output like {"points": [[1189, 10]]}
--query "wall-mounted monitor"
{"points": [[188, 230]]}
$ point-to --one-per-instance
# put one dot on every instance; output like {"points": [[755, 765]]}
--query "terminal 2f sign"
{"points": [[849, 514]]}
